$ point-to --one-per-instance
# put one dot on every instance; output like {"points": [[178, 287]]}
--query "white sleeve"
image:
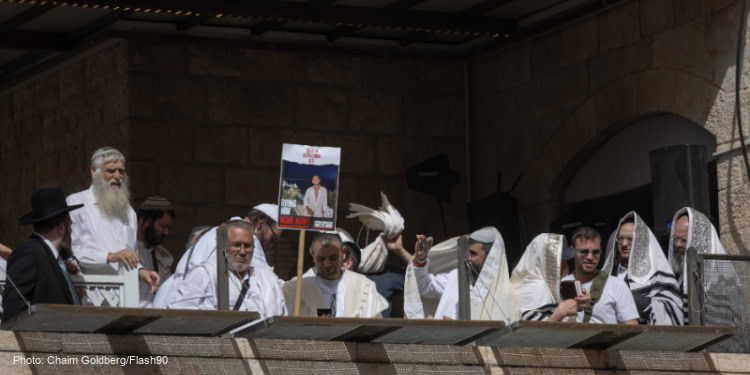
{"points": [[194, 292], [84, 244], [624, 302], [430, 286]]}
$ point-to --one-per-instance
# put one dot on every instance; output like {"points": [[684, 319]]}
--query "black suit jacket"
{"points": [[37, 275]]}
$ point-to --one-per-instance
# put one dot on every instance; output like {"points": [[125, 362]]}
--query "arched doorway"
{"points": [[616, 178]]}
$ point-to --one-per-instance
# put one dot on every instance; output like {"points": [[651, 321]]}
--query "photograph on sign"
{"points": [[308, 188]]}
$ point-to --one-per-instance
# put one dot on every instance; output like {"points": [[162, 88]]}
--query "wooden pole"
{"points": [[222, 282], [300, 266], [464, 303]]}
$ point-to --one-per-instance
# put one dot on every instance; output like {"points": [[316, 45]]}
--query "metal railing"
{"points": [[719, 295], [119, 290]]}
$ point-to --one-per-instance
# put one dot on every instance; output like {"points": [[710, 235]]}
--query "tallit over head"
{"points": [[701, 235], [387, 220], [492, 295], [649, 273], [536, 278]]}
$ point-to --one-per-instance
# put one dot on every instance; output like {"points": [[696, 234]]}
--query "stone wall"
{"points": [[543, 106], [207, 124], [51, 124]]}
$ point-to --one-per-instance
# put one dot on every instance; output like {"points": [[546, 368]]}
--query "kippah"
{"points": [[156, 203]]}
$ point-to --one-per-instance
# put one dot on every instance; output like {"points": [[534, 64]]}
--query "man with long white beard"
{"points": [[250, 288], [104, 231]]}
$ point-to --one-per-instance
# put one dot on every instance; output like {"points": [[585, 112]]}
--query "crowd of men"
{"points": [[97, 232]]}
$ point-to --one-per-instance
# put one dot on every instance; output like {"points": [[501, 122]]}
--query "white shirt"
{"points": [[616, 305], [330, 287], [622, 272], [95, 235], [443, 286], [198, 291], [319, 205]]}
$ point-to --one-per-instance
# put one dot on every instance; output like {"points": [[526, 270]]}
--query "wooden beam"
{"points": [[25, 16], [396, 6], [266, 26], [341, 31], [413, 37], [189, 22], [400, 5], [484, 7], [96, 25], [32, 40]]}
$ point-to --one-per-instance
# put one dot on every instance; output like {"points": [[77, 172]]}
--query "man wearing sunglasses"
{"points": [[610, 299]]}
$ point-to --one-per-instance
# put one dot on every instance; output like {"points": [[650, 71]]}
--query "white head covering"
{"points": [[649, 273], [270, 209], [701, 235], [492, 295], [536, 278], [387, 220]]}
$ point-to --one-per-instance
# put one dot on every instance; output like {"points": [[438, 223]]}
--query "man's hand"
{"points": [[127, 256], [72, 267], [583, 299], [149, 277], [569, 307], [396, 246], [310, 211], [420, 255]]}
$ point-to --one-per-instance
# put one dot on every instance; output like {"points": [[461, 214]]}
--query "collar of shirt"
{"points": [[49, 244]]}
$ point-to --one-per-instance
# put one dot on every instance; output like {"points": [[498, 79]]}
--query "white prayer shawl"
{"points": [[649, 274], [536, 278], [387, 220], [319, 205], [361, 297], [491, 296], [199, 291], [200, 252], [95, 235]]}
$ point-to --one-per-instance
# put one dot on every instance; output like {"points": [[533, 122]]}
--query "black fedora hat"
{"points": [[47, 203]]}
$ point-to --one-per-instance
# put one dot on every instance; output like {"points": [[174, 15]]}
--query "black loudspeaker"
{"points": [[679, 178], [433, 177], [499, 210]]}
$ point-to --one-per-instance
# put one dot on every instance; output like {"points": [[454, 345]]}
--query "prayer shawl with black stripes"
{"points": [[536, 278], [649, 274]]}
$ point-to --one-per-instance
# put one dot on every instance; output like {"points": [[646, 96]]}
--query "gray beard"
{"points": [[677, 263], [114, 204]]}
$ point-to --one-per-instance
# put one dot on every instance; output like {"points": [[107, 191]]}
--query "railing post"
{"points": [[130, 293]]}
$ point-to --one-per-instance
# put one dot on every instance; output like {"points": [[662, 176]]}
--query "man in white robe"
{"points": [[634, 256], [338, 292], [316, 199], [250, 288], [490, 292], [263, 219], [104, 230]]}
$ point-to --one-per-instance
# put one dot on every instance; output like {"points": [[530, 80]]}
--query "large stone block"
{"points": [[648, 90], [226, 145], [579, 41], [180, 98], [484, 76], [444, 78], [155, 140], [686, 10], [394, 74], [721, 31], [545, 55], [377, 113], [265, 65], [335, 70], [250, 104], [322, 109], [656, 15], [73, 82], [496, 114], [141, 95], [734, 208], [155, 57], [191, 183], [266, 144], [357, 153], [682, 46], [434, 115], [250, 187], [224, 60], [730, 170], [109, 64], [613, 65], [619, 26], [514, 66], [617, 102], [216, 213], [722, 120], [143, 179], [395, 155], [737, 242], [572, 83]]}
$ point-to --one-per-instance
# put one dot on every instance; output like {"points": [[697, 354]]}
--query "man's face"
{"points": [[328, 260], [66, 244], [588, 255], [113, 173], [681, 229], [316, 180], [155, 231], [240, 248], [477, 256], [268, 234], [625, 240]]}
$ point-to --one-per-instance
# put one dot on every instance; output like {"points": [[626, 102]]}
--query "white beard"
{"points": [[113, 203]]}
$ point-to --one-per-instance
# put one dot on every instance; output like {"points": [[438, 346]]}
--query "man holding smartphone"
{"points": [[610, 300]]}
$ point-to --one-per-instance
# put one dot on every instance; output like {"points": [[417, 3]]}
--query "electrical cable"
{"points": [[737, 83]]}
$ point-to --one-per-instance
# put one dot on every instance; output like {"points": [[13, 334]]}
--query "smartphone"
{"points": [[570, 289], [324, 312], [424, 245]]}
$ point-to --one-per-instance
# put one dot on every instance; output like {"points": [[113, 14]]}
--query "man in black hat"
{"points": [[37, 272]]}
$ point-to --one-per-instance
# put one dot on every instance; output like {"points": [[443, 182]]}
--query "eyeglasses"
{"points": [[274, 236], [594, 252]]}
